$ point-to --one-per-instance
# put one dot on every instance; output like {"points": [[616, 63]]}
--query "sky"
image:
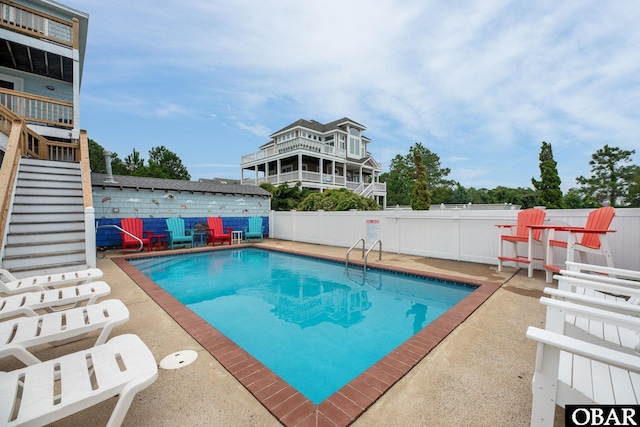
{"points": [[480, 84]]}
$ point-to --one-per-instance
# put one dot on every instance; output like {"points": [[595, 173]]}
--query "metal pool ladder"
{"points": [[364, 255]]}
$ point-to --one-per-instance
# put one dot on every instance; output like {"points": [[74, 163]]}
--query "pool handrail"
{"points": [[122, 231], [370, 249], [346, 263]]}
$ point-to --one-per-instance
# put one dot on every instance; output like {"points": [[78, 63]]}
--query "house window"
{"points": [[354, 147], [287, 168]]}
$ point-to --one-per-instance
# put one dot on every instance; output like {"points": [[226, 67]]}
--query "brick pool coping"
{"points": [[285, 403]]}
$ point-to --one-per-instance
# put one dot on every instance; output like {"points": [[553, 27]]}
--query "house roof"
{"points": [[160, 184], [319, 127]]}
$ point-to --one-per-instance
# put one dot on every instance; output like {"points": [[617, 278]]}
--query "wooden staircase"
{"points": [[46, 229]]}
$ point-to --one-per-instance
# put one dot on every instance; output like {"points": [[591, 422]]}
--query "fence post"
{"points": [[90, 236]]}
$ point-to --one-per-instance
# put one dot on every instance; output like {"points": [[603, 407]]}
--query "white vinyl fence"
{"points": [[463, 235]]}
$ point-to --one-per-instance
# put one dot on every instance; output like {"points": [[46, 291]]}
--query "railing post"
{"points": [[90, 236], [8, 173]]}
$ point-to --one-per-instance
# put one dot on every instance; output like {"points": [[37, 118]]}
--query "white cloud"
{"points": [[485, 80]]}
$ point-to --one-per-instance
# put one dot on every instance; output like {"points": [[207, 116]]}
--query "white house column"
{"points": [[300, 167], [278, 171], [333, 172], [75, 132], [266, 171]]}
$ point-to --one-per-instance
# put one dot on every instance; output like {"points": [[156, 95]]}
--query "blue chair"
{"points": [[177, 234], [255, 229]]}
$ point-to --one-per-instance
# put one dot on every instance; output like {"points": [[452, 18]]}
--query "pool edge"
{"points": [[283, 401]]}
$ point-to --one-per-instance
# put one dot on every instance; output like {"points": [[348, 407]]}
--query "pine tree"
{"points": [[421, 196], [612, 174], [548, 188]]}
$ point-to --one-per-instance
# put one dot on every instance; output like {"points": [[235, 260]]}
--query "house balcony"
{"points": [[321, 181], [38, 109], [34, 23], [287, 147]]}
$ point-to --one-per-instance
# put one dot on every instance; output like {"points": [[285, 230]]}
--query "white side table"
{"points": [[237, 237]]}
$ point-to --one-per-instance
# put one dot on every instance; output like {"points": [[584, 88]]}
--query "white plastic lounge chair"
{"points": [[601, 273], [51, 300], [60, 327], [568, 373], [12, 285], [594, 324], [48, 391]]}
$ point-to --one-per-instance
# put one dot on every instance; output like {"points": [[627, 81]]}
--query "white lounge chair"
{"points": [[48, 391], [60, 327], [601, 273], [601, 287], [590, 322], [51, 300], [568, 373], [10, 284]]}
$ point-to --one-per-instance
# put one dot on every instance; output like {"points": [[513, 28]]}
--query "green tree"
{"points": [[633, 198], [400, 178], [525, 197], [478, 195], [285, 198], [337, 199], [611, 173], [548, 188], [97, 162], [574, 199], [421, 196], [164, 163], [399, 181], [134, 162]]}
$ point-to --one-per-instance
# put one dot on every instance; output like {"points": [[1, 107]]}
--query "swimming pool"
{"points": [[311, 322]]}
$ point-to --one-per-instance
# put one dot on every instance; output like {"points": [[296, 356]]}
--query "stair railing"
{"points": [[122, 230], [8, 173]]}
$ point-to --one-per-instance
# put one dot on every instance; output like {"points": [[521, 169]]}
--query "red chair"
{"points": [[134, 226], [523, 234], [218, 232], [592, 238]]}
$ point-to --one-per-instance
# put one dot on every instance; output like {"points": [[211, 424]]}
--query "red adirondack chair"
{"points": [[523, 234], [135, 227], [592, 238], [218, 233]]}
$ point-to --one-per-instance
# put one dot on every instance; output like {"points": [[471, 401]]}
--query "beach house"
{"points": [[320, 157]]}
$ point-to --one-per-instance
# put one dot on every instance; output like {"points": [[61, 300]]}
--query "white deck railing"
{"points": [[463, 235]]}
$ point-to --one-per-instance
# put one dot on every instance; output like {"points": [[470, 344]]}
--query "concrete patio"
{"points": [[479, 375]]}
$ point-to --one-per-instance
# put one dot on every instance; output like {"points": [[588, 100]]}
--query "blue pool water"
{"points": [[312, 322]]}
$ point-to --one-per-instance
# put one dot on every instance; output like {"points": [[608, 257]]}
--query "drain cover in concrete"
{"points": [[179, 359]]}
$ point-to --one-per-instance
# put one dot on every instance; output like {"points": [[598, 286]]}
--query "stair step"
{"points": [[45, 237], [54, 182], [47, 170], [49, 164], [53, 199], [46, 217], [44, 227], [21, 208], [47, 269], [48, 191], [36, 249], [59, 258]]}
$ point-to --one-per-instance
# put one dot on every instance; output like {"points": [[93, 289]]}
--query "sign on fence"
{"points": [[373, 231]]}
